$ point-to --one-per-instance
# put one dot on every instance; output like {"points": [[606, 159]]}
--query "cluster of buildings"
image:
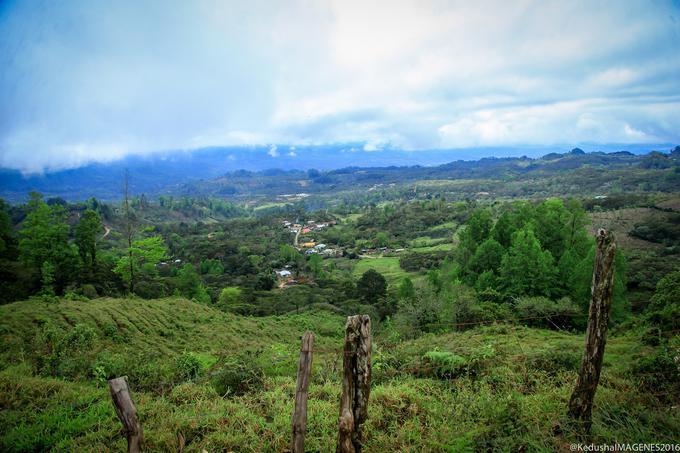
{"points": [[308, 227], [320, 249]]}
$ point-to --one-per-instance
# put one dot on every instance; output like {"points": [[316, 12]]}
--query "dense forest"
{"points": [[477, 276]]}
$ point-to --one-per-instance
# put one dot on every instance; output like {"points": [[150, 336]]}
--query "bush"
{"points": [[659, 372], [148, 289], [447, 365], [238, 375], [65, 354], [543, 312], [108, 366], [72, 295], [89, 291], [444, 365], [554, 361], [110, 331], [188, 366]]}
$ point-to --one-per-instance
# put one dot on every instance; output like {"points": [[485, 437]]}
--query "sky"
{"points": [[94, 80]]}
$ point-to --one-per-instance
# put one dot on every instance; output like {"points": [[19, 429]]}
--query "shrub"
{"points": [[108, 365], [89, 291], [110, 331], [554, 361], [543, 312], [72, 295], [444, 365], [188, 366], [238, 374], [66, 354], [148, 289], [660, 371], [447, 365]]}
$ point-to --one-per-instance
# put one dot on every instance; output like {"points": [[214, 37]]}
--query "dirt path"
{"points": [[106, 233]]}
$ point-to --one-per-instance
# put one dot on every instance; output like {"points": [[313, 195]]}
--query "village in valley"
{"points": [[306, 243]]}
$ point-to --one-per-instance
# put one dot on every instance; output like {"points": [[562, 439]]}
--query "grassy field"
{"points": [[507, 389], [387, 266], [429, 244]]}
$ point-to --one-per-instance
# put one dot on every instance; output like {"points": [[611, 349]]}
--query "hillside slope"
{"points": [[226, 383], [168, 326]]}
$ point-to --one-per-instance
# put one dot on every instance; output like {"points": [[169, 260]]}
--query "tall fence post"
{"points": [[581, 402], [127, 413], [301, 392], [356, 383]]}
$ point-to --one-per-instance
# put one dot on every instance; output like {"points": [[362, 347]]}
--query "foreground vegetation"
{"points": [[219, 385], [478, 304]]}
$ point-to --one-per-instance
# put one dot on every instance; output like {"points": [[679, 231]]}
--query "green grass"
{"points": [[387, 266], [510, 396], [429, 244], [271, 205]]}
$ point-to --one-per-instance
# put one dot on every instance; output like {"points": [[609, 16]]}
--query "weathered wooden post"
{"points": [[127, 413], [356, 383], [581, 402], [301, 392]]}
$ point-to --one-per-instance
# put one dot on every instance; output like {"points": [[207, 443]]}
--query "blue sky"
{"points": [[96, 80]]}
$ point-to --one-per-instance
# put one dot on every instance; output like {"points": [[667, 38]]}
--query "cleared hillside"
{"points": [[503, 387]]}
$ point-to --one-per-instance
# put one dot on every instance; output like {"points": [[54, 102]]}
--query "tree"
{"points": [[381, 240], [503, 229], [315, 264], [190, 285], [579, 288], [527, 269], [231, 299], [6, 233], [89, 226], [477, 230], [372, 286], [142, 256], [667, 291], [550, 226], [288, 253], [44, 238], [212, 267], [488, 257], [406, 289], [129, 232]]}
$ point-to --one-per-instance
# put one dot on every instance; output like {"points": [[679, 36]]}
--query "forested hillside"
{"points": [[476, 276]]}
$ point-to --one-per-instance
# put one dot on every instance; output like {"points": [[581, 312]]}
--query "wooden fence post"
{"points": [[581, 402], [301, 392], [356, 383], [127, 413]]}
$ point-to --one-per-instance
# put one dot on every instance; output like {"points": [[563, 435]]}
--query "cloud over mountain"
{"points": [[89, 80]]}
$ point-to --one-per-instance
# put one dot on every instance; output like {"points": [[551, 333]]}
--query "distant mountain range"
{"points": [[172, 172]]}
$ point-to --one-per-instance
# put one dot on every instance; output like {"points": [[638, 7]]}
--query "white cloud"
{"points": [[273, 151], [412, 73]]}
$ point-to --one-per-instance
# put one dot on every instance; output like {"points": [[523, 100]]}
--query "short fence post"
{"points": [[356, 383], [127, 413], [581, 402], [301, 392]]}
